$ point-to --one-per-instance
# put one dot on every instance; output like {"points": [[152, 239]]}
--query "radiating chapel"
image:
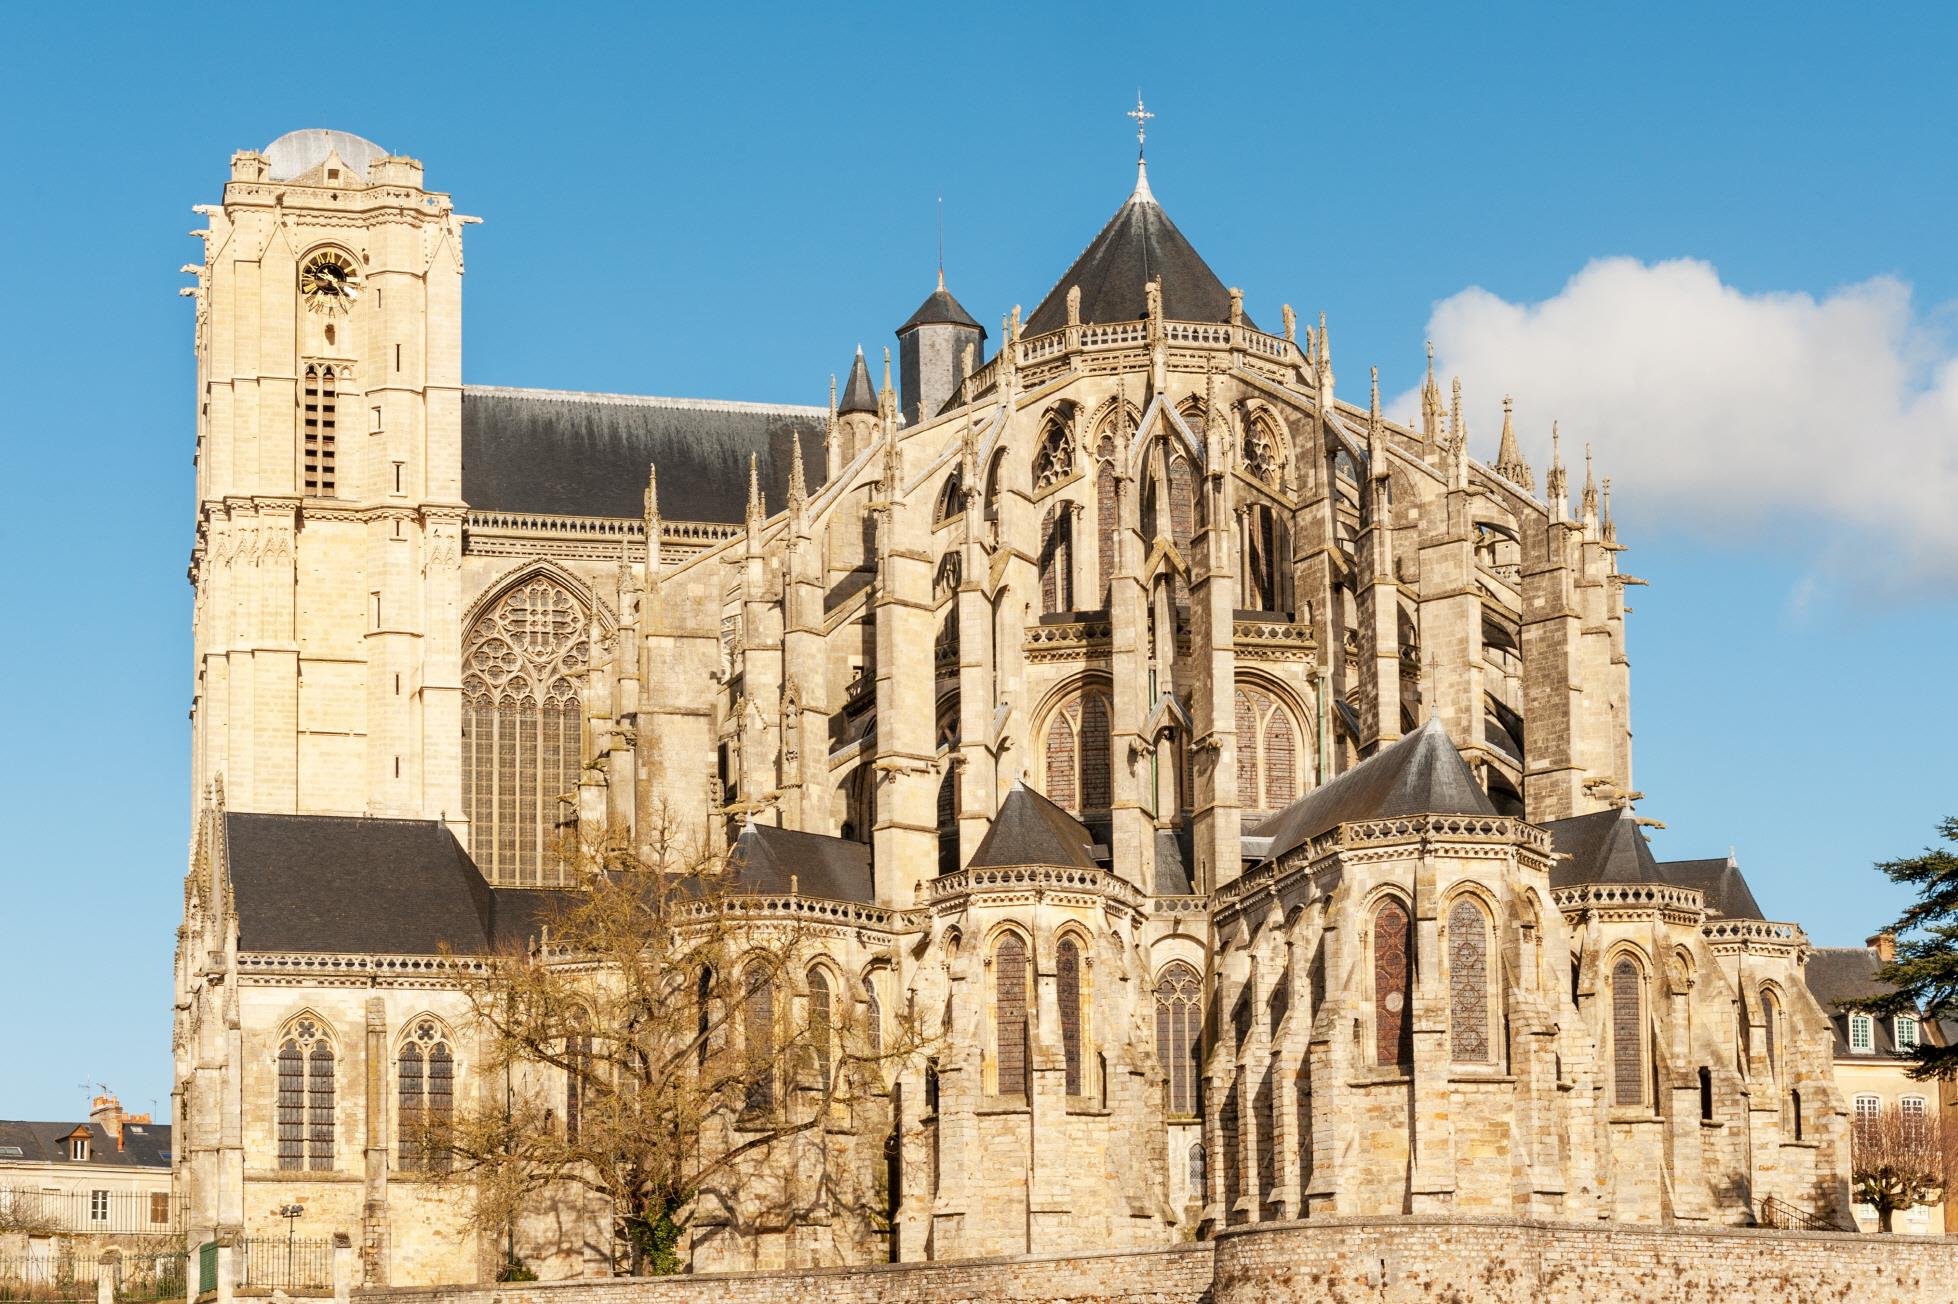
{"points": [[1238, 780]]}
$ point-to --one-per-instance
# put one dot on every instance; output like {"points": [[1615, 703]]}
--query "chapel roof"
{"points": [[766, 858], [1608, 846], [859, 395], [561, 453], [1031, 830], [1139, 244], [1422, 774]]}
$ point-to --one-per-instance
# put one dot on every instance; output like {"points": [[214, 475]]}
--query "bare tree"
{"points": [[27, 1213], [1896, 1162], [650, 1046]]}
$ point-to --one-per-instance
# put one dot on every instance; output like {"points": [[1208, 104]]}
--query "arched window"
{"points": [[425, 1072], [577, 1072], [703, 1015], [1057, 560], [873, 1015], [1107, 518], [1468, 983], [322, 418], [1627, 1033], [951, 499], [1182, 504], [1197, 1173], [1770, 1032], [1076, 754], [819, 1025], [1067, 987], [1706, 1094], [948, 787], [945, 582], [1053, 462], [522, 729], [1010, 1015], [305, 1122], [1393, 973], [758, 1041], [1261, 451], [1179, 1035], [1261, 549], [1267, 752]]}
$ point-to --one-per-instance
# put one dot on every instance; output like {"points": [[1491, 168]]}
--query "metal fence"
{"points": [[117, 1213], [300, 1264]]}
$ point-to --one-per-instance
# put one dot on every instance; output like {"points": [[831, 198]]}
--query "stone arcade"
{"points": [[1242, 781]]}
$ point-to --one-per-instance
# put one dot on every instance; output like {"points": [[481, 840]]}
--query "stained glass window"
{"points": [[522, 744], [1179, 1023], [1010, 1014], [306, 1097], [1393, 971], [1627, 1033], [1077, 754], [1468, 983], [1067, 984], [425, 1090]]}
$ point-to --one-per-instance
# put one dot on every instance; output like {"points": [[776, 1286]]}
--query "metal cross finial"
{"points": [[1141, 116]]}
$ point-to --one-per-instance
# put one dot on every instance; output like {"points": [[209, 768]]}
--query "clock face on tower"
{"points": [[329, 282]]}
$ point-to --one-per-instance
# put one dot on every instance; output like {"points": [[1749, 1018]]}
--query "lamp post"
{"points": [[289, 1212]]}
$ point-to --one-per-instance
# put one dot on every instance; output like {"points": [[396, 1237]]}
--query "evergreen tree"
{"points": [[1924, 976]]}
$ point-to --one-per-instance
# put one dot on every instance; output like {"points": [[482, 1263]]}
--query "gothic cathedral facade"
{"points": [[1242, 780]]}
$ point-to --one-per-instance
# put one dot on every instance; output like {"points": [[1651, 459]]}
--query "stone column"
{"points": [[1217, 849], [374, 1153], [343, 1268], [904, 834], [1553, 779], [108, 1268], [1132, 830]]}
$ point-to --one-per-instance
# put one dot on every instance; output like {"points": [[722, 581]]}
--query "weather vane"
{"points": [[1141, 116]]}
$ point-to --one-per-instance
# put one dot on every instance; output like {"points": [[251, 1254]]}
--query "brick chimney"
{"points": [[107, 1111], [1884, 944]]}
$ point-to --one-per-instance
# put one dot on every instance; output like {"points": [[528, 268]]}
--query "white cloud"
{"points": [[1727, 413]]}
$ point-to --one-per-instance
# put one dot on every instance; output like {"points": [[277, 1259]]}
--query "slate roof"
{"points": [[1720, 881], [1173, 859], [940, 308], [1030, 830], [1138, 245], [859, 395], [1607, 847], [144, 1145], [838, 869], [554, 452], [1422, 774], [1836, 974]]}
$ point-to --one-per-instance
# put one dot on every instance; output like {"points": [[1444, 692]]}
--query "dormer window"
{"points": [[1862, 1033], [1906, 1032], [78, 1148]]}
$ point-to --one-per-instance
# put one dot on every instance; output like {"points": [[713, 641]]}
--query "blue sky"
{"points": [[684, 203]]}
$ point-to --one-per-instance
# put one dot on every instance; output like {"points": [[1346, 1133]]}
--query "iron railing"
{"points": [[118, 1213], [275, 1261], [1779, 1214], [69, 1274]]}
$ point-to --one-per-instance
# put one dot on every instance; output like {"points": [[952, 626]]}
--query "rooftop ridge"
{"points": [[645, 400]]}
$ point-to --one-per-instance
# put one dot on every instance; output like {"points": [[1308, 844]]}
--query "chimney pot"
{"points": [[1884, 944]]}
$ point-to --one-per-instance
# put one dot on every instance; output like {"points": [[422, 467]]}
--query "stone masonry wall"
{"points": [[1402, 1261]]}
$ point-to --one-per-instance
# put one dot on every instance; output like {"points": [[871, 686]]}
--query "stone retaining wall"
{"points": [[1332, 1261]]}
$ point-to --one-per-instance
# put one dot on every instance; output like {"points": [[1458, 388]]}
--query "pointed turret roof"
{"points": [[1422, 774], [1030, 830], [940, 308], [1140, 244], [859, 395]]}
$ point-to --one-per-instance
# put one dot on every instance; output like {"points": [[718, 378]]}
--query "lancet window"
{"points": [[1770, 1028], [1076, 754], [1627, 1033], [758, 1041], [1262, 548], [577, 1054], [1067, 987], [1057, 560], [1393, 986], [1106, 518], [1179, 1035], [1010, 1016], [1468, 983], [425, 1079], [522, 736], [305, 1117], [819, 1024], [1267, 751], [321, 420]]}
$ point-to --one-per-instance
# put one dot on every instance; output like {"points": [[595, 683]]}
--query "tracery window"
{"points": [[1627, 1033], [1468, 983], [951, 499], [1067, 986], [1076, 754], [522, 735], [1182, 504], [1770, 1030], [305, 1109], [1179, 1034], [1260, 447], [321, 427], [873, 1015], [1010, 1015], [1057, 560], [1393, 973], [425, 1074], [1267, 751], [1053, 462]]}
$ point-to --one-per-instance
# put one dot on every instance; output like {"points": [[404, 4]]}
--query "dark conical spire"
{"points": [[859, 395]]}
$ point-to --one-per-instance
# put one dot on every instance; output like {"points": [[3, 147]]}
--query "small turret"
{"points": [[1509, 457], [857, 415], [932, 353]]}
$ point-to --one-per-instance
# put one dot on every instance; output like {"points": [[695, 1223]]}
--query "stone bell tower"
{"points": [[326, 562]]}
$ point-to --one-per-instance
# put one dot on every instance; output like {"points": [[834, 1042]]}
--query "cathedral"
{"points": [[1240, 779]]}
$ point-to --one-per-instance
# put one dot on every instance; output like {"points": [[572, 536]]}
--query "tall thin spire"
{"points": [[757, 509], [1457, 427], [941, 244], [1608, 530], [1589, 506], [1141, 115], [1430, 400], [798, 491], [1556, 484], [1509, 457]]}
